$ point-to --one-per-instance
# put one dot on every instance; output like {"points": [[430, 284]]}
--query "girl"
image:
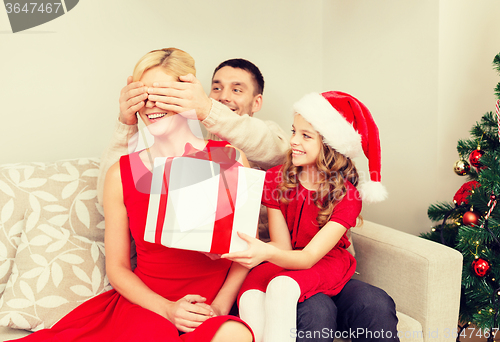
{"points": [[172, 295], [312, 201]]}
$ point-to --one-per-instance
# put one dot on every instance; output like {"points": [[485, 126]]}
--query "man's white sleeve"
{"points": [[263, 142]]}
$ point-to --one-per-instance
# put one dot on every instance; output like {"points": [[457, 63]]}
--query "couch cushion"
{"points": [[7, 334], [409, 330], [63, 192], [54, 271]]}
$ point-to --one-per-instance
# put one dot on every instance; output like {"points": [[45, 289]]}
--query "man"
{"points": [[236, 94]]}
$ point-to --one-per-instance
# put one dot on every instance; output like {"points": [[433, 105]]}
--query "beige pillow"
{"points": [[54, 271], [63, 192], [11, 216]]}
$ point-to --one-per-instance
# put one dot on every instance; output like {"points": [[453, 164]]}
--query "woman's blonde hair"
{"points": [[334, 169], [175, 62]]}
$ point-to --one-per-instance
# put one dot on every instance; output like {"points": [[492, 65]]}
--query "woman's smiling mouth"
{"points": [[155, 115]]}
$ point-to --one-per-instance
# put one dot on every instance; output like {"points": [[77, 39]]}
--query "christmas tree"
{"points": [[471, 223]]}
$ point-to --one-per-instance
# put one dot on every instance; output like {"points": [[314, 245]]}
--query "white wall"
{"points": [[423, 67], [60, 82], [469, 40], [385, 53]]}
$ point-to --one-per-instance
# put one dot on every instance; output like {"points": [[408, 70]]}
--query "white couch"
{"points": [[52, 255]]}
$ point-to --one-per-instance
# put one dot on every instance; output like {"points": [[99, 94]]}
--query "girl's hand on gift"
{"points": [[189, 312], [256, 253]]}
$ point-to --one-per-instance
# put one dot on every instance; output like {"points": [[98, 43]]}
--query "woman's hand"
{"points": [[189, 312], [217, 310], [131, 100], [256, 253]]}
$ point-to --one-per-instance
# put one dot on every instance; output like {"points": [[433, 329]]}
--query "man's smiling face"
{"points": [[236, 89]]}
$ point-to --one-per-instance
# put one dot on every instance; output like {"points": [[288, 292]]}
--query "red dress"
{"points": [[333, 271], [172, 273]]}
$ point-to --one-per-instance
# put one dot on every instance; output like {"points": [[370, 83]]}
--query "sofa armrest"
{"points": [[423, 277]]}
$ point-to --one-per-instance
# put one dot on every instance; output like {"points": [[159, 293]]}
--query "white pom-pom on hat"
{"points": [[347, 126], [372, 192]]}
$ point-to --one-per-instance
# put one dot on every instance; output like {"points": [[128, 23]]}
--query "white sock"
{"points": [[252, 311], [282, 294]]}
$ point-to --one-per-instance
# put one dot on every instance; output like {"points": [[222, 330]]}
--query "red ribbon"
{"points": [[163, 201], [228, 184]]}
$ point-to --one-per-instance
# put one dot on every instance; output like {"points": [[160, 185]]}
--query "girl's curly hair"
{"points": [[334, 168]]}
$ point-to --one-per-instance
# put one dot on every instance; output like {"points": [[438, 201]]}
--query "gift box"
{"points": [[199, 202]]}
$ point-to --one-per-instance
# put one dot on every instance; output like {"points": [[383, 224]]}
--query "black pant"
{"points": [[361, 312]]}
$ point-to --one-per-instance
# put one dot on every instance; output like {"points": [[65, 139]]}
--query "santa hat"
{"points": [[347, 126]]}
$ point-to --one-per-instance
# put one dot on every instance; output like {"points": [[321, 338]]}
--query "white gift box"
{"points": [[203, 207]]}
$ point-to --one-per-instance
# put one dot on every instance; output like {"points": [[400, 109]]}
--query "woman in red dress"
{"points": [[172, 294]]}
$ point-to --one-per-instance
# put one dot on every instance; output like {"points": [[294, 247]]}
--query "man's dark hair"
{"points": [[240, 63]]}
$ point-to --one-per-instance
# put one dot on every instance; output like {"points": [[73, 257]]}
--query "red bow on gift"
{"points": [[227, 170], [223, 155]]}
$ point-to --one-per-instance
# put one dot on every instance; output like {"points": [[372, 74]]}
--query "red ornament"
{"points": [[481, 267], [474, 158], [465, 191], [470, 218]]}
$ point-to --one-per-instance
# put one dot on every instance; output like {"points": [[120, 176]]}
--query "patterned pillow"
{"points": [[64, 192], [55, 270]]}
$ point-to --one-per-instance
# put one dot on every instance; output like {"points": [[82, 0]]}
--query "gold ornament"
{"points": [[461, 167]]}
